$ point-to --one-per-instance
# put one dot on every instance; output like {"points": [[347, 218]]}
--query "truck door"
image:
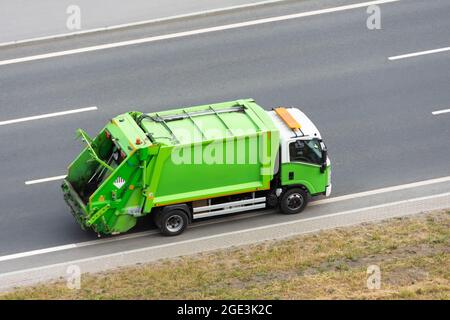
{"points": [[304, 160]]}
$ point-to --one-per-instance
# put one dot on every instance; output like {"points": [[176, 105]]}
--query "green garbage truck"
{"points": [[196, 162]]}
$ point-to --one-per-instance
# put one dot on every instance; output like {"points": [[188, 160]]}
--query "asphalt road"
{"points": [[374, 114]]}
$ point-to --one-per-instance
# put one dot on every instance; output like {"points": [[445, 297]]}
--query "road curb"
{"points": [[140, 23], [32, 276]]}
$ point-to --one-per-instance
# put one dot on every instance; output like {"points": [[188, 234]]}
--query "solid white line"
{"points": [[382, 190], [72, 246], [145, 233], [192, 32], [416, 54], [44, 180], [288, 223], [435, 113], [117, 238], [172, 244], [48, 115], [36, 252], [139, 23]]}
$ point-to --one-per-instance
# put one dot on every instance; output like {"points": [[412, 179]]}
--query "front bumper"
{"points": [[328, 190]]}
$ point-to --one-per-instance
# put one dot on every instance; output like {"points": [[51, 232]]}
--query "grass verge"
{"points": [[413, 255]]}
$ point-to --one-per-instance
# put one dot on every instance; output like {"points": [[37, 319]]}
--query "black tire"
{"points": [[294, 201], [172, 222]]}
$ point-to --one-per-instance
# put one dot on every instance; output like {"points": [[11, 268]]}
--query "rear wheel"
{"points": [[294, 201], [172, 222]]}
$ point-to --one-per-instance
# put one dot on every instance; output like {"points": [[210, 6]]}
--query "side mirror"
{"points": [[323, 167]]}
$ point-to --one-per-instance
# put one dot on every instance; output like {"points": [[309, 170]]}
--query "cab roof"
{"points": [[293, 123]]}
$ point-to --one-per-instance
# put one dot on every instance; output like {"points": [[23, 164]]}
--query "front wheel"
{"points": [[293, 201], [172, 222]]}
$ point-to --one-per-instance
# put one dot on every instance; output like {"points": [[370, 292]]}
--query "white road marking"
{"points": [[140, 23], [219, 220], [382, 190], [30, 182], [237, 232], [48, 115], [435, 113], [118, 238], [71, 246], [36, 252], [417, 54], [192, 32], [287, 223]]}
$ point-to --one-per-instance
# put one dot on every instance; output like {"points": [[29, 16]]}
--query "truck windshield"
{"points": [[309, 151]]}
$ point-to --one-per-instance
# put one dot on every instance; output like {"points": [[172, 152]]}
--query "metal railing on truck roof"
{"points": [[191, 115]]}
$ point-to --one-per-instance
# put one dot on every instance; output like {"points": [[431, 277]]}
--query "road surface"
{"points": [[375, 111]]}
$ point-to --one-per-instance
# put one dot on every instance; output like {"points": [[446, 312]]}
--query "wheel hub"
{"points": [[294, 201], [174, 223]]}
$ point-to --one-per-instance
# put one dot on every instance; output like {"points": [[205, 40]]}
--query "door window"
{"points": [[308, 151]]}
